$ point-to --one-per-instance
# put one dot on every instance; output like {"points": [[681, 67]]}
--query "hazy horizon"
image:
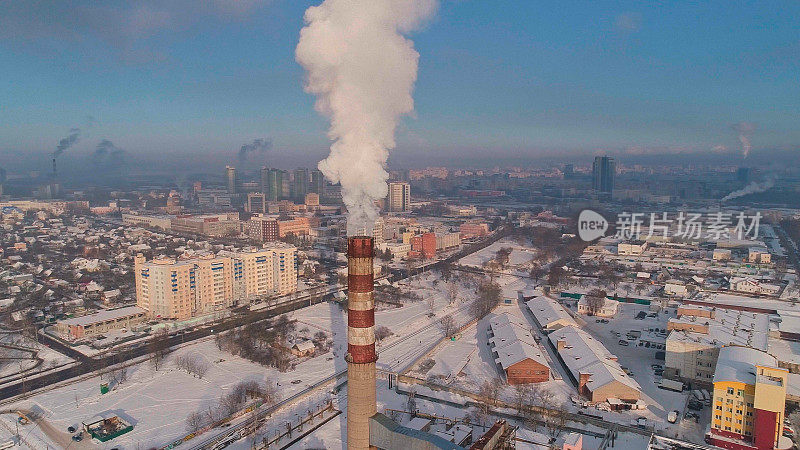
{"points": [[502, 82]]}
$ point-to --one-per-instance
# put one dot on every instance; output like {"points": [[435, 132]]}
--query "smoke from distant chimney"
{"points": [[752, 188], [67, 142], [260, 145], [745, 130], [108, 156]]}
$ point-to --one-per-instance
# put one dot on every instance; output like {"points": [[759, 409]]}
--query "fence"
{"points": [[292, 432]]}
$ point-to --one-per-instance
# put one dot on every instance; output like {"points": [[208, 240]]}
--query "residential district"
{"points": [[233, 310]]}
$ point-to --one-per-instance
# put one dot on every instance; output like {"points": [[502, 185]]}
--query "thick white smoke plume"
{"points": [[362, 70], [745, 130], [752, 188]]}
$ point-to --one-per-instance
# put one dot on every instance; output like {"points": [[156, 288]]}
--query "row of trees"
{"points": [[260, 343], [231, 403], [193, 364], [489, 296]]}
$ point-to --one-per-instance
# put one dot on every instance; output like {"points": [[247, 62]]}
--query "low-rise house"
{"points": [[604, 307], [76, 328], [676, 288], [759, 255], [592, 367], [549, 314], [303, 348], [516, 351]]}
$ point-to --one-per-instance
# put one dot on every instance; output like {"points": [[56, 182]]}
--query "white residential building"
{"points": [[608, 308], [698, 333]]}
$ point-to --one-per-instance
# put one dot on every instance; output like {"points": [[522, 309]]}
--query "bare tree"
{"points": [[382, 332], [556, 421], [158, 347], [556, 276], [489, 390], [452, 291], [536, 273], [522, 394], [194, 422], [489, 296], [595, 300], [448, 325], [230, 404]]}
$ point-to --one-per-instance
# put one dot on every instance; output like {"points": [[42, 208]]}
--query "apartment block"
{"points": [[749, 400], [179, 289]]}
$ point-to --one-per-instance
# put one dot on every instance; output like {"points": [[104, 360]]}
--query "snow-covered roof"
{"points": [[737, 363], [726, 327], [512, 341], [103, 315], [584, 354], [548, 312], [304, 346]]}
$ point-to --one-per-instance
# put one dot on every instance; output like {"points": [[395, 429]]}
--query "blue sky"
{"points": [[497, 78]]}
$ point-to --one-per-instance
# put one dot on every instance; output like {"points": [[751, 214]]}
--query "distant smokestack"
{"points": [[361, 356]]}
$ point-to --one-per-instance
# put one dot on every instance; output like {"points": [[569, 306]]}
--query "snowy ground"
{"points": [[519, 255], [158, 402]]}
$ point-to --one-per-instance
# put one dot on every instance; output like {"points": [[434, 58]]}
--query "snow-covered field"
{"points": [[157, 403], [520, 255]]}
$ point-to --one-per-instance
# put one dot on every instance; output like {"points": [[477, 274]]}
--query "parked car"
{"points": [[623, 342]]}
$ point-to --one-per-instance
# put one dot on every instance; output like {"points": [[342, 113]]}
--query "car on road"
{"points": [[78, 437], [624, 342]]}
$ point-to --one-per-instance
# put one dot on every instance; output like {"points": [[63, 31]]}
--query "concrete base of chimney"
{"points": [[361, 404]]}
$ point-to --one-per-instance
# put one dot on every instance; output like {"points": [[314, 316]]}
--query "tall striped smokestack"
{"points": [[361, 356]]}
